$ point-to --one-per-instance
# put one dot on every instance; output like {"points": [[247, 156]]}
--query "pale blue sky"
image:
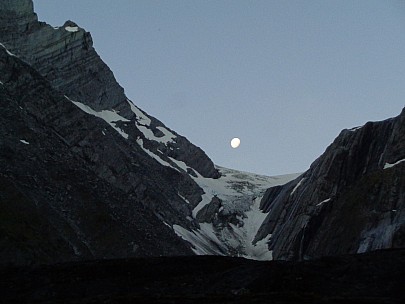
{"points": [[284, 76]]}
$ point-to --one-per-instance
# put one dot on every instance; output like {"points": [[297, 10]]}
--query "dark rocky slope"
{"points": [[86, 174], [80, 157], [351, 200], [66, 58], [74, 100], [376, 277], [54, 204]]}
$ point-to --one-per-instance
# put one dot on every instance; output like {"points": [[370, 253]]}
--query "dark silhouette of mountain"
{"points": [[85, 174], [100, 177], [79, 182]]}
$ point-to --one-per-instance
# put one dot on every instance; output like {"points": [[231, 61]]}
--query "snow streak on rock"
{"points": [[71, 29], [143, 123], [297, 186], [387, 165], [111, 117]]}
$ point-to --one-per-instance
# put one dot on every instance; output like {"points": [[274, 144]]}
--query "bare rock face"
{"points": [[64, 55], [351, 200], [101, 178], [85, 174], [67, 191], [17, 8], [66, 58]]}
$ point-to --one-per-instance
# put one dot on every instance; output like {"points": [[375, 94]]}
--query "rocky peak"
{"points": [[66, 58], [351, 199], [17, 7]]}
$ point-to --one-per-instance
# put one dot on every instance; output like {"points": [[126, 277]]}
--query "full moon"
{"points": [[235, 142]]}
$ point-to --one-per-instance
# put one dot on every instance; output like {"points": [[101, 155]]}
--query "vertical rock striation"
{"points": [[65, 56], [100, 175], [351, 200]]}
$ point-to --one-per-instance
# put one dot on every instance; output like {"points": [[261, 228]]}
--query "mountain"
{"points": [[351, 200], [86, 174]]}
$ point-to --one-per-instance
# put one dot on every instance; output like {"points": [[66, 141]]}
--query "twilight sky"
{"points": [[284, 76]]}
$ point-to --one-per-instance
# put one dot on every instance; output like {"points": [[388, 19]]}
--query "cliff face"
{"points": [[66, 58], [72, 187], [351, 200], [87, 174], [98, 175], [84, 173]]}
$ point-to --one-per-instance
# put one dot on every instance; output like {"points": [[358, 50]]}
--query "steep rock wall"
{"points": [[351, 200], [65, 56]]}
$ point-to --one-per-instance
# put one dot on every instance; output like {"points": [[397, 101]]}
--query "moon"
{"points": [[235, 142]]}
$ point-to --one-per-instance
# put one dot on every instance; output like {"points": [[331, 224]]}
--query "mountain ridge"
{"points": [[355, 170], [101, 178], [118, 144]]}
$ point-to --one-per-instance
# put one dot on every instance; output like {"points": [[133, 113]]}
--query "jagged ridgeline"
{"points": [[85, 173]]}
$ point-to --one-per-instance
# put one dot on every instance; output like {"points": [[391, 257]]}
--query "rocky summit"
{"points": [[85, 174]]}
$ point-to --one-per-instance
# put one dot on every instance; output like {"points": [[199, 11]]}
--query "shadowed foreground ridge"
{"points": [[376, 277]]}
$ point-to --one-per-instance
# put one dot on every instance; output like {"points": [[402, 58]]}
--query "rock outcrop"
{"points": [[86, 174], [351, 200], [66, 58], [68, 191], [99, 175]]}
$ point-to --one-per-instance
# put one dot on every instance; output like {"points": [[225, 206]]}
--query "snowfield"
{"points": [[234, 223], [240, 194]]}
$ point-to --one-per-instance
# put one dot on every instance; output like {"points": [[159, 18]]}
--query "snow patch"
{"points": [[153, 155], [141, 117], [180, 164], [8, 52], [297, 186], [24, 142], [167, 137], [324, 201], [183, 198], [251, 224], [355, 128], [387, 165], [111, 117], [208, 240], [240, 194], [203, 241], [233, 185], [148, 133], [143, 123], [72, 29]]}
